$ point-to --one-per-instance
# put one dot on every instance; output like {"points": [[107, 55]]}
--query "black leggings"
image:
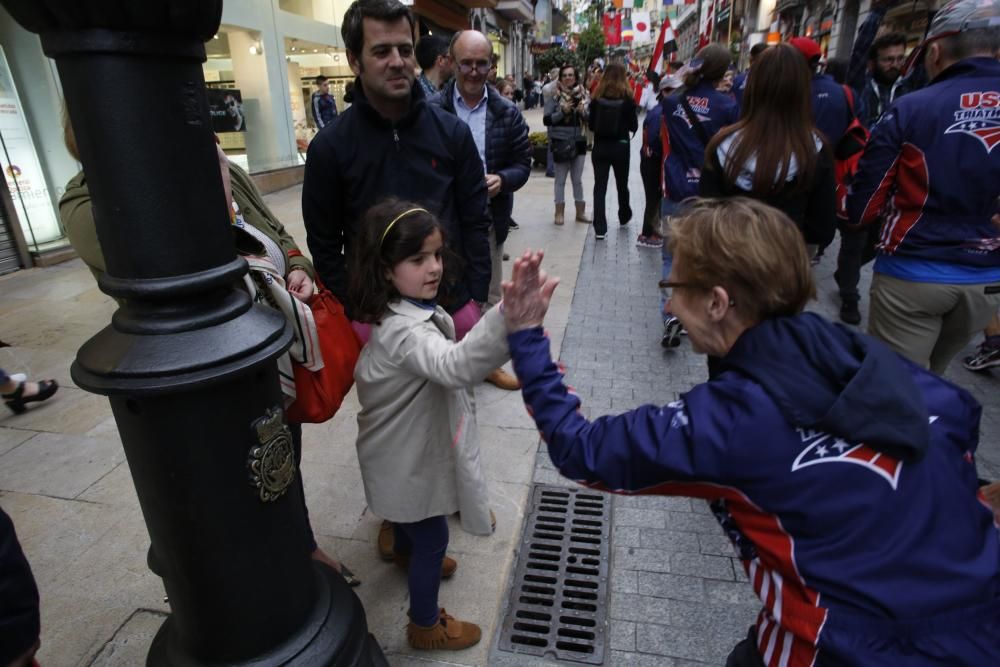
{"points": [[610, 155]]}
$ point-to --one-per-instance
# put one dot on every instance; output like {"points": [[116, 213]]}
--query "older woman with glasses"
{"points": [[844, 475]]}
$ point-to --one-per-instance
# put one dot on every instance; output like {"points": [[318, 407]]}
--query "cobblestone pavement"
{"points": [[679, 595]]}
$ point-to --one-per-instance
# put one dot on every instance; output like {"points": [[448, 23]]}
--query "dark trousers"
{"points": [[296, 430], [608, 155], [19, 618], [857, 248], [649, 169], [425, 543]]}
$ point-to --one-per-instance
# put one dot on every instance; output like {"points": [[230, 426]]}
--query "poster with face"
{"points": [[225, 106]]}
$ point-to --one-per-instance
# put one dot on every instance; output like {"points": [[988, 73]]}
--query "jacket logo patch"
{"points": [[824, 448], [979, 117]]}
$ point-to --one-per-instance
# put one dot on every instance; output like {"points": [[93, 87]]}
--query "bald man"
{"points": [[501, 136]]}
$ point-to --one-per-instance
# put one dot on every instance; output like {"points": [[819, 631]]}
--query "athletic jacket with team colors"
{"points": [[683, 149], [932, 171], [844, 475]]}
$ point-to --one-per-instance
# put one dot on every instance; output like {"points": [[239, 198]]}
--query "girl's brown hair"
{"points": [[752, 250], [614, 84], [776, 125], [391, 231]]}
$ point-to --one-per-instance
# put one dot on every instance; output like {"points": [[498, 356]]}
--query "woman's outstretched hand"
{"points": [[527, 294]]}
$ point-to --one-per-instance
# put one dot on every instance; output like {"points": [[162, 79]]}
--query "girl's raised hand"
{"points": [[527, 294]]}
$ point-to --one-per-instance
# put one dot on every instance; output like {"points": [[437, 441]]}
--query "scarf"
{"points": [[574, 99]]}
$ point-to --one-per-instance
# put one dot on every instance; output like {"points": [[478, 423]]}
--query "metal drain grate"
{"points": [[559, 597]]}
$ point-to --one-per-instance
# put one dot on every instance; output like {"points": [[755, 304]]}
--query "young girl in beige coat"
{"points": [[417, 439]]}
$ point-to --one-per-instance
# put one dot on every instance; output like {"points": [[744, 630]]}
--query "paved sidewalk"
{"points": [[679, 596]]}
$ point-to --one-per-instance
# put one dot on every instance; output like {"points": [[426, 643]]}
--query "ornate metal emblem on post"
{"points": [[272, 462]]}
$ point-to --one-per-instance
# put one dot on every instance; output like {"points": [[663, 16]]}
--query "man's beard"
{"points": [[887, 77]]}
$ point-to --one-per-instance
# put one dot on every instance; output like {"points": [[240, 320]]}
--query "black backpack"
{"points": [[608, 118]]}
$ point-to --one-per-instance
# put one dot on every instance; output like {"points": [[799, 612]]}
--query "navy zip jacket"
{"points": [[508, 151], [831, 112], [428, 157], [683, 150], [931, 171], [844, 475]]}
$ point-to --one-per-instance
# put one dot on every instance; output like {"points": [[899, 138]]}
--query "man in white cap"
{"points": [[931, 172]]}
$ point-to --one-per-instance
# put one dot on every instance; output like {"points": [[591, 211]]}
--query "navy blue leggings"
{"points": [[425, 542]]}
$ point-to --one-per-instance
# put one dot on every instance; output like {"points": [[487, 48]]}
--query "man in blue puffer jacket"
{"points": [[931, 174]]}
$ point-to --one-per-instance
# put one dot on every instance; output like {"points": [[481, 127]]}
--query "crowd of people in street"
{"points": [[892, 557]]}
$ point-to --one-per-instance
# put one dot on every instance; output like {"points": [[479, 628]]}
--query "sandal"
{"points": [[349, 577], [17, 401]]}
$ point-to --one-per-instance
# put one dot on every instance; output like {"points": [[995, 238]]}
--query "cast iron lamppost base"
{"points": [[188, 361]]}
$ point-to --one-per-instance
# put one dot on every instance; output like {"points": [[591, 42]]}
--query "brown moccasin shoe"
{"points": [[386, 541], [448, 634], [448, 566], [504, 380]]}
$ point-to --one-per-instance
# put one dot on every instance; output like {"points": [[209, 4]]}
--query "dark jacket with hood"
{"points": [[811, 206], [844, 475], [428, 157], [508, 151]]}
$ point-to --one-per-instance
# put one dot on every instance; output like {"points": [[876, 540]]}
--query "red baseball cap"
{"points": [[807, 47]]}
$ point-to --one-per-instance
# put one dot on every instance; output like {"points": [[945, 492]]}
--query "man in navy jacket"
{"points": [[501, 137], [931, 173], [391, 143]]}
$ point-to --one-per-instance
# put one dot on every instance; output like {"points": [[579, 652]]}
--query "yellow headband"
{"points": [[397, 219]]}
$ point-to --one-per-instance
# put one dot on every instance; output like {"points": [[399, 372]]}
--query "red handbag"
{"points": [[318, 394]]}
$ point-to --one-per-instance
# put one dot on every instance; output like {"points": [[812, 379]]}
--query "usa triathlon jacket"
{"points": [[843, 474], [683, 149], [932, 170]]}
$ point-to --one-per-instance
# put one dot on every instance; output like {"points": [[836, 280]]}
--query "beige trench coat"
{"points": [[418, 443]]}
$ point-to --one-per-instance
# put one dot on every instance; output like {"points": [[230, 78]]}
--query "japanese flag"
{"points": [[640, 27]]}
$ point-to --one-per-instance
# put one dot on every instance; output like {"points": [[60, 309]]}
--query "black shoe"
{"points": [[513, 225], [672, 329], [17, 401], [849, 312]]}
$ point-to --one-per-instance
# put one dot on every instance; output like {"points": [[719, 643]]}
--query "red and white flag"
{"points": [[706, 36], [666, 44]]}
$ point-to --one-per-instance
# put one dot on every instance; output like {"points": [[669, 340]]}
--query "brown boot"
{"points": [[581, 212], [448, 565], [504, 380], [386, 541], [448, 634], [560, 214]]}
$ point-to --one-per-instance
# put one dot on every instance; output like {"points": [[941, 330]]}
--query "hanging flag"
{"points": [[628, 4], [613, 29], [706, 36], [641, 28], [627, 32], [665, 43]]}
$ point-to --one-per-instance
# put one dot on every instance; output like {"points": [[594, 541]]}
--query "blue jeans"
{"points": [[667, 208], [425, 543]]}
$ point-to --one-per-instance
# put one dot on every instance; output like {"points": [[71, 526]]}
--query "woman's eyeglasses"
{"points": [[667, 285]]}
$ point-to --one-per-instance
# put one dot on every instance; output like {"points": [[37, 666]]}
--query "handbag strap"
{"points": [[693, 118]]}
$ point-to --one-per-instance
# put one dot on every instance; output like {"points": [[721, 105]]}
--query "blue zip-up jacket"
{"points": [[683, 150], [324, 108], [831, 113], [508, 151], [844, 474], [874, 99], [931, 170]]}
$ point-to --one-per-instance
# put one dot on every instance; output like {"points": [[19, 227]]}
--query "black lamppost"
{"points": [[188, 362]]}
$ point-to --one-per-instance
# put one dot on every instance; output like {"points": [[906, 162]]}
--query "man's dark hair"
{"points": [[757, 49], [886, 41], [353, 31], [428, 49], [321, 79], [653, 78]]}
